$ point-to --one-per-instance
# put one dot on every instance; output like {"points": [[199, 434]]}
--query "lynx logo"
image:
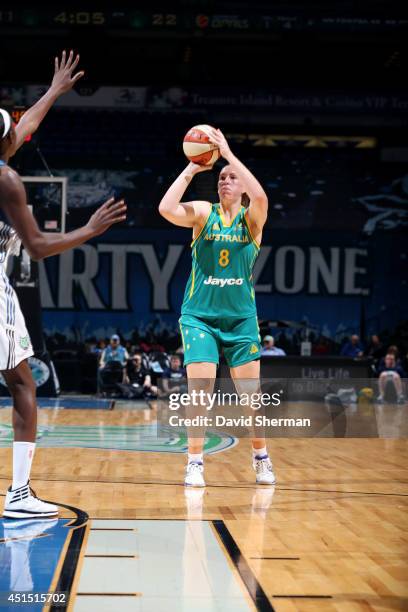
{"points": [[221, 282], [254, 349], [39, 370], [24, 342]]}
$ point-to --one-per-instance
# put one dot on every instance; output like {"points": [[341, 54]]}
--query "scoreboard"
{"points": [[272, 19]]}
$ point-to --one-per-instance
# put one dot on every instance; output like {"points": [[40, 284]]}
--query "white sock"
{"points": [[23, 453], [195, 457], [259, 452]]}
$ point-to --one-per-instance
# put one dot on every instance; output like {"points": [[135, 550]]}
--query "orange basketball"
{"points": [[198, 148]]}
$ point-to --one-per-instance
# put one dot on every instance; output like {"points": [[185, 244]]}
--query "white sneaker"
{"points": [[23, 503], [194, 475], [264, 471]]}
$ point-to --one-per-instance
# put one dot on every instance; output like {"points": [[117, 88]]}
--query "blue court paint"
{"points": [[29, 555]]}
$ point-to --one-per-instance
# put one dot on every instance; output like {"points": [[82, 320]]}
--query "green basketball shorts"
{"points": [[204, 338]]}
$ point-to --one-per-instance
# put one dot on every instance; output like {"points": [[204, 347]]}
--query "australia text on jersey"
{"points": [[226, 238]]}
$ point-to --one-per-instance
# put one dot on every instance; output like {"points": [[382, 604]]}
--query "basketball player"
{"points": [[226, 242], [17, 225]]}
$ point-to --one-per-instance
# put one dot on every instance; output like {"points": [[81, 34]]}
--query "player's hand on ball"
{"points": [[64, 79], [193, 168], [109, 213], [218, 138]]}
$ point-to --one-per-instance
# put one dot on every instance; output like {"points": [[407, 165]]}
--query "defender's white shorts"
{"points": [[15, 343]]}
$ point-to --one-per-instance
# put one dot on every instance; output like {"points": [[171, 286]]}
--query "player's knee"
{"points": [[248, 386], [21, 385], [205, 385]]}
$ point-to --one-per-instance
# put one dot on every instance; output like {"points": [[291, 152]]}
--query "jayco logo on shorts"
{"points": [[221, 282]]}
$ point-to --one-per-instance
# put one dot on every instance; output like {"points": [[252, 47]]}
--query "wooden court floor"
{"points": [[331, 535]]}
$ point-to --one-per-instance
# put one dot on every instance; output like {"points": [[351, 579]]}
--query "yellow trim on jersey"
{"points": [[251, 278], [203, 228], [222, 216], [192, 279], [256, 243], [182, 336]]}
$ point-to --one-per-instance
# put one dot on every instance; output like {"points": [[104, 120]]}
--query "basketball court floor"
{"points": [[330, 536]]}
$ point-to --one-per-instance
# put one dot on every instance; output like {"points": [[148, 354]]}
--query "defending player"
{"points": [[219, 309], [17, 225]]}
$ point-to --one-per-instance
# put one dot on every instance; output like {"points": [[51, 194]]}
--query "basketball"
{"points": [[198, 148]]}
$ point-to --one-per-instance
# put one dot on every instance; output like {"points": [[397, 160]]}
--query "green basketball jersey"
{"points": [[220, 284]]}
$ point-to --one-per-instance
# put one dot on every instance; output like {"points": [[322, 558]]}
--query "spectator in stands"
{"points": [[138, 380], [174, 378], [353, 348], [108, 363], [392, 373], [375, 349], [114, 352], [391, 350], [137, 373], [269, 349]]}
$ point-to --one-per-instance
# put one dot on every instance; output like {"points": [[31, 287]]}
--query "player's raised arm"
{"points": [[64, 79], [40, 244], [184, 214], [258, 207]]}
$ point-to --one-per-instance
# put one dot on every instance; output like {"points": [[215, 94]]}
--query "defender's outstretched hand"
{"points": [[64, 79], [109, 213]]}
